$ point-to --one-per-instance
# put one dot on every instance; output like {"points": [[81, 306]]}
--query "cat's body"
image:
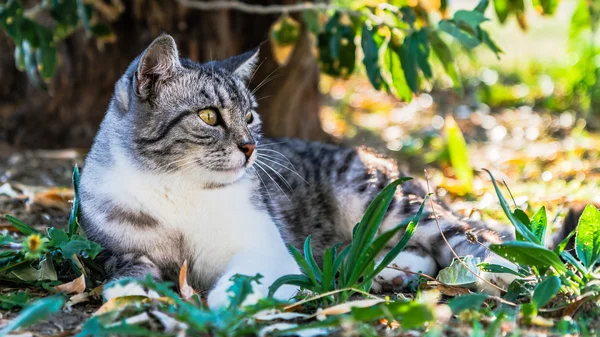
{"points": [[179, 172]]}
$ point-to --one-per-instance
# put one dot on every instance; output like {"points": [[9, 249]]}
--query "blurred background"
{"points": [[450, 86]]}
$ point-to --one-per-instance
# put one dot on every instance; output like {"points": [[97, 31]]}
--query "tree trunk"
{"points": [[68, 114]]}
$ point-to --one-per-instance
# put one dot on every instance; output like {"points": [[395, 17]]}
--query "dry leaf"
{"points": [[119, 303], [79, 298], [271, 314], [346, 307], [96, 293], [53, 198], [77, 286], [185, 290], [169, 323]]}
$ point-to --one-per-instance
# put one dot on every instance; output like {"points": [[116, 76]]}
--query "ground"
{"points": [[544, 158]]}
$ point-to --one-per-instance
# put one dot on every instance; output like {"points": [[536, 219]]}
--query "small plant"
{"points": [[37, 258], [354, 267]]}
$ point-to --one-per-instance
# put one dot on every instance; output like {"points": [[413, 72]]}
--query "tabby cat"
{"points": [[179, 171]]}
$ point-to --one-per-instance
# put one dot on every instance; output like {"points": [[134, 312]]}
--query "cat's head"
{"points": [[189, 118]]}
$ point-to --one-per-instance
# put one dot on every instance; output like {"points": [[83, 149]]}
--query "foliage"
{"points": [[35, 44], [355, 267], [40, 255]]}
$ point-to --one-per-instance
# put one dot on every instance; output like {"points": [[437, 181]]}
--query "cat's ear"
{"points": [[242, 65], [158, 62]]}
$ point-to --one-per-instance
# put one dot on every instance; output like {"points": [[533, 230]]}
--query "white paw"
{"points": [[402, 273], [501, 280], [219, 296], [130, 289]]}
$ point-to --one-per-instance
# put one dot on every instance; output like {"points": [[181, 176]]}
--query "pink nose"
{"points": [[247, 149]]}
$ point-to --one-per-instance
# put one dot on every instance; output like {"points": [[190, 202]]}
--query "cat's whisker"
{"points": [[256, 70], [279, 153], [261, 145], [287, 168], [263, 183], [265, 81], [278, 174], [274, 181]]}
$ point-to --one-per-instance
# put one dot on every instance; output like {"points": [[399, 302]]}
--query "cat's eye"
{"points": [[249, 117], [209, 116]]}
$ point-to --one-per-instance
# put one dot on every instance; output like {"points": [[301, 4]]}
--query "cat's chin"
{"points": [[225, 177]]}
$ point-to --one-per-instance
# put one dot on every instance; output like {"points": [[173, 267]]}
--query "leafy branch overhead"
{"points": [[36, 44], [397, 43]]}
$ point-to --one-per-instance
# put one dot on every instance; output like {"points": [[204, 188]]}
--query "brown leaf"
{"points": [[185, 290], [53, 198], [78, 298], [77, 286]]}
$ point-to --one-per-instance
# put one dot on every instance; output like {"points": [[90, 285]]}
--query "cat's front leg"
{"points": [[129, 265], [403, 272], [270, 262]]}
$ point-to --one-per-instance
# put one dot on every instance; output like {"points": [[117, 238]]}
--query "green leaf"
{"points": [[21, 226], [411, 313], [10, 301], [409, 63], [502, 9], [520, 228], [467, 302], [457, 275], [482, 6], [529, 254], [391, 61], [31, 66], [485, 38], [563, 244], [312, 21], [80, 245], [297, 280], [303, 264], [538, 224], [371, 42], [459, 34], [422, 51], [74, 217], [545, 291], [35, 312], [443, 53], [19, 57], [496, 268], [459, 154], [391, 255], [11, 17], [241, 288], [471, 18], [369, 224], [310, 259], [587, 239], [337, 50]]}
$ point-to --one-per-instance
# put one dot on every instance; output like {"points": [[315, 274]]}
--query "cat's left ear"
{"points": [[242, 65]]}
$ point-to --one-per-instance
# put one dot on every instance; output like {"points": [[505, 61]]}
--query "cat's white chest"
{"points": [[215, 224]]}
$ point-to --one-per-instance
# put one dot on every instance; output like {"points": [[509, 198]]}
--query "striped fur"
{"points": [[160, 186]]}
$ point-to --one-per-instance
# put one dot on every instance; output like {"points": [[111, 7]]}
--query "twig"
{"points": [[256, 9], [448, 244], [275, 9]]}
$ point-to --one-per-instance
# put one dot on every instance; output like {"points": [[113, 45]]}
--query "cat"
{"points": [[179, 172]]}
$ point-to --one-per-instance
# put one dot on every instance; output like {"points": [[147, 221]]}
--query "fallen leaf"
{"points": [[79, 298], [52, 198], [447, 289], [185, 290], [77, 286], [346, 308], [269, 315], [120, 303]]}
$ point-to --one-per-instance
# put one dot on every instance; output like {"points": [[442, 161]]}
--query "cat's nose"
{"points": [[247, 148]]}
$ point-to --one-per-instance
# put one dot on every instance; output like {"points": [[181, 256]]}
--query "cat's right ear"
{"points": [[158, 62]]}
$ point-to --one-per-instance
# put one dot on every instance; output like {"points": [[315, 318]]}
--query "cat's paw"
{"points": [[501, 280], [219, 296], [403, 272], [130, 289]]}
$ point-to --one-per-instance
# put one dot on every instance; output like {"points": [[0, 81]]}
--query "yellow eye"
{"points": [[209, 116], [249, 117]]}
